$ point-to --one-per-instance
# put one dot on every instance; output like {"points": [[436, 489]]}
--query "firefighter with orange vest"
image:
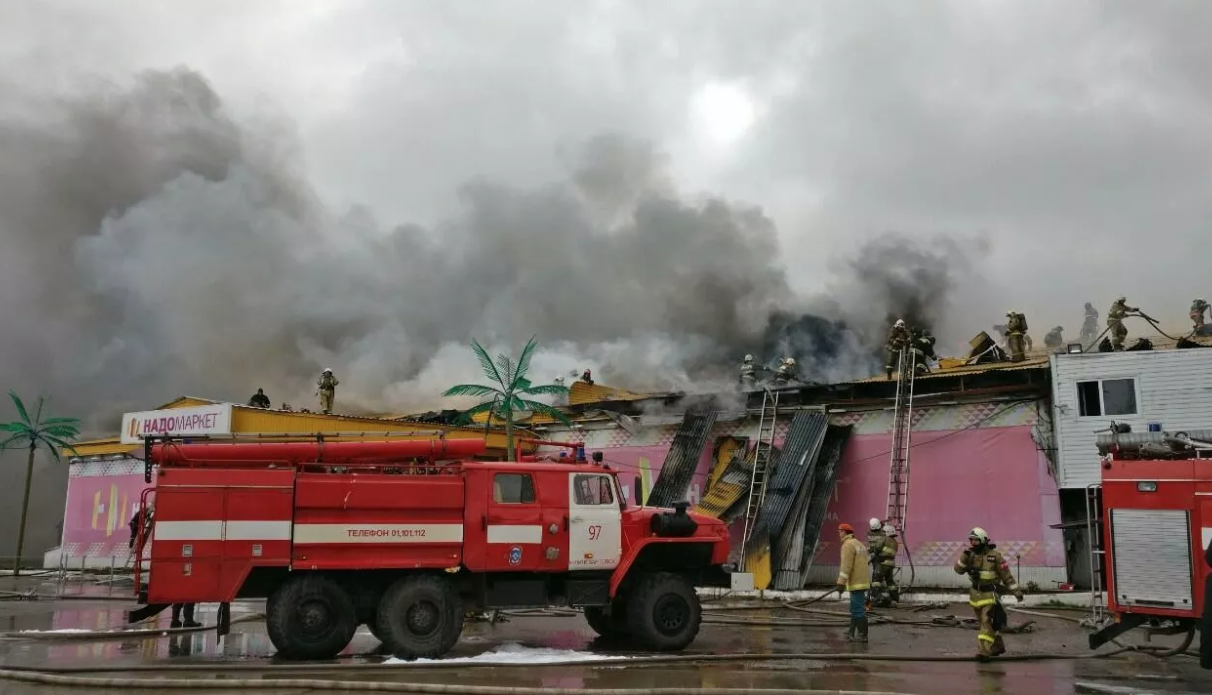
{"points": [[990, 574], [854, 575]]}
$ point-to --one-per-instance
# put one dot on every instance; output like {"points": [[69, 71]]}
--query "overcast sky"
{"points": [[1074, 138]]}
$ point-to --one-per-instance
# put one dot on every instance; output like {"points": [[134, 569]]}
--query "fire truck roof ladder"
{"points": [[1098, 554], [761, 461], [902, 424]]}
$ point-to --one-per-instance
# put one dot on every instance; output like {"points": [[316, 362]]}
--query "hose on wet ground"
{"points": [[119, 634]]}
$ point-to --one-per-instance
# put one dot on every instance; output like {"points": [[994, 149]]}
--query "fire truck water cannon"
{"points": [[406, 550], [1148, 547]]}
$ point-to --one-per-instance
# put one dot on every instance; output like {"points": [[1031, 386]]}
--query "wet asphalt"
{"points": [[526, 639]]}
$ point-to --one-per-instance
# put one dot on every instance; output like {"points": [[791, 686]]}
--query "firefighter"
{"points": [[1016, 329], [1089, 325], [898, 339], [259, 400], [1198, 308], [327, 390], [888, 563], [587, 377], [989, 573], [1115, 321], [1054, 338], [786, 371], [923, 352], [854, 576], [875, 549], [748, 372]]}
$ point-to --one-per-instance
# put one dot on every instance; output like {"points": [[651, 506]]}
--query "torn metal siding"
{"points": [[730, 488], [685, 451], [798, 456], [828, 465]]}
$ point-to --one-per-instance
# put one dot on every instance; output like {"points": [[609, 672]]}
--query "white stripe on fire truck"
{"points": [[211, 530], [512, 533], [312, 534]]}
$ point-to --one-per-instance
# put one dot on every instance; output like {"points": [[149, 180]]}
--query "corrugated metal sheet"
{"points": [[824, 479], [684, 453], [1032, 362], [798, 456], [788, 555], [580, 393], [729, 488]]}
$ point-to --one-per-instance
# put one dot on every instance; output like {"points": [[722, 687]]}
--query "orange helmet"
{"points": [[845, 527]]}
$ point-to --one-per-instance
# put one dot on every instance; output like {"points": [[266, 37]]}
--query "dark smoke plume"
{"points": [[156, 248]]}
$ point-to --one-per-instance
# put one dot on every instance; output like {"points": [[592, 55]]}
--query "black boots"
{"points": [[189, 616], [857, 631]]}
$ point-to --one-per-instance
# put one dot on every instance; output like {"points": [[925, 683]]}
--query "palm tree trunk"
{"points": [[512, 455], [29, 476]]}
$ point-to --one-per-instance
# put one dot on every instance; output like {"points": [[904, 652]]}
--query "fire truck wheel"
{"points": [[310, 617], [663, 612], [608, 621], [421, 617]]}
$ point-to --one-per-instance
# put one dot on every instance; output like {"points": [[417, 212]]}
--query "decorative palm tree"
{"points": [[53, 434], [509, 392]]}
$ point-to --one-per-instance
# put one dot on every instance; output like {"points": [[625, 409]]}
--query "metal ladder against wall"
{"points": [[902, 423], [761, 462], [1094, 539]]}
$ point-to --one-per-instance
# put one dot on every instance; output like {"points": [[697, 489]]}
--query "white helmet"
{"points": [[890, 530], [328, 370], [875, 524], [748, 358], [978, 534], [900, 323], [790, 360]]}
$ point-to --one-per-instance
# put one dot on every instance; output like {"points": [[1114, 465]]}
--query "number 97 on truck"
{"points": [[406, 536]]}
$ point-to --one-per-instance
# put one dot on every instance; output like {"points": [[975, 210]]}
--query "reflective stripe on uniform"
{"points": [[987, 638], [986, 574], [980, 603], [857, 587]]}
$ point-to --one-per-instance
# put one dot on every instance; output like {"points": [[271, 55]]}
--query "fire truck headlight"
{"points": [[1146, 486]]}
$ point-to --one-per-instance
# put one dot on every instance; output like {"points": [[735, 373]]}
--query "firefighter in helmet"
{"points": [[898, 339], [326, 388], [876, 542], [888, 563], [990, 574], [854, 575], [749, 371]]}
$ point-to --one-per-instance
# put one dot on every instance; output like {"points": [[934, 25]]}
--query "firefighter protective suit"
{"points": [[1115, 321], [989, 573], [881, 552], [327, 389], [1016, 340], [1089, 325], [899, 338], [854, 575]]}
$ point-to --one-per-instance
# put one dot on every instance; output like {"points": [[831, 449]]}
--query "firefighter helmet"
{"points": [[978, 534], [890, 530], [748, 358], [328, 370], [845, 528], [875, 524]]}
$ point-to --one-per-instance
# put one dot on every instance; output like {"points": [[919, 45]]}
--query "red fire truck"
{"points": [[1157, 522], [404, 536]]}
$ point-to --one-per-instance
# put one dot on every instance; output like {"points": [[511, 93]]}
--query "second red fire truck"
{"points": [[405, 536]]}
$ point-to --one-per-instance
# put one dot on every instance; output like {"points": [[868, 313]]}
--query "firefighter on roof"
{"points": [[989, 573], [1054, 338], [1089, 325], [923, 351], [786, 371], [898, 339], [1198, 308], [259, 399], [1115, 321], [748, 372], [1016, 330], [854, 575], [327, 390]]}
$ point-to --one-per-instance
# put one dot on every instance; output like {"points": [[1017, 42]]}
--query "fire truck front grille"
{"points": [[1151, 549]]}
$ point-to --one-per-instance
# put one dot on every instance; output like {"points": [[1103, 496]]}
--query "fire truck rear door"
{"points": [[595, 532]]}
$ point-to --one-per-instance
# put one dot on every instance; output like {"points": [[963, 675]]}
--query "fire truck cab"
{"points": [[398, 536], [1156, 525]]}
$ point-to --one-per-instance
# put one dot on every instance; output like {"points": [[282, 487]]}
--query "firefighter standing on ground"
{"points": [[989, 572], [883, 563], [888, 562], [854, 575]]}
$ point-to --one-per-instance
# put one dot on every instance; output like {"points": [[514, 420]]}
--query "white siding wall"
{"points": [[1173, 387]]}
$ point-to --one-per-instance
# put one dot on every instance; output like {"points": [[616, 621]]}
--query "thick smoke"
{"points": [[155, 248]]}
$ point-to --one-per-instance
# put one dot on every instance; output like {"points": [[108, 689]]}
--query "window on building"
{"points": [[593, 489], [513, 488], [1106, 398]]}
